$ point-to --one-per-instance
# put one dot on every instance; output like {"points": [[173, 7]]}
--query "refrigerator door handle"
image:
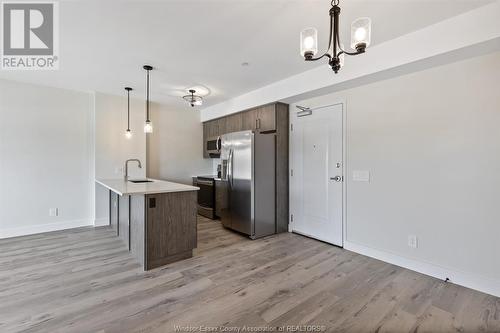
{"points": [[230, 167], [232, 177]]}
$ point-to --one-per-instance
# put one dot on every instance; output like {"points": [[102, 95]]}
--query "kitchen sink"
{"points": [[138, 181]]}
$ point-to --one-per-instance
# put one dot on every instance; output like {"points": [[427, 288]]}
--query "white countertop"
{"points": [[121, 187]]}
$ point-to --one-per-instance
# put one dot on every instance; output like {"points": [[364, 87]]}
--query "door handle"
{"points": [[336, 178]]}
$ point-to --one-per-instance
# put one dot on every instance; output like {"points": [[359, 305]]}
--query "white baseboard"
{"points": [[469, 280], [101, 222], [37, 229]]}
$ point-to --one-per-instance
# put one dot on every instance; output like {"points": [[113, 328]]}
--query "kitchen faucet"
{"points": [[126, 166]]}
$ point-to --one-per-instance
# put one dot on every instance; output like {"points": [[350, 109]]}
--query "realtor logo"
{"points": [[30, 36]]}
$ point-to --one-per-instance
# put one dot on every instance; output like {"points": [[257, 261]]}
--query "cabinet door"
{"points": [[213, 128], [204, 143], [266, 118], [171, 226], [234, 123], [210, 129], [222, 128], [249, 120]]}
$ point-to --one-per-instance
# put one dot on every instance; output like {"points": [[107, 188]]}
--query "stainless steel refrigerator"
{"points": [[249, 180]]}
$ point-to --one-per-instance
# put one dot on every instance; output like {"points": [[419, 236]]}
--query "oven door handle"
{"points": [[205, 182]]}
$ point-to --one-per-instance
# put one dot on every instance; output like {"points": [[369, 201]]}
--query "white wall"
{"points": [[112, 148], [45, 158], [431, 143], [175, 147]]}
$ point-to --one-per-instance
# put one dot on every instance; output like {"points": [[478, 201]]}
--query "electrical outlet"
{"points": [[412, 241], [53, 212]]}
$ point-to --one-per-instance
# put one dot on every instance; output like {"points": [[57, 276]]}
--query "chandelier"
{"points": [[193, 99], [360, 39]]}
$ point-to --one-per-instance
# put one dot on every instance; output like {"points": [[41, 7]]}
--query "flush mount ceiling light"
{"points": [[192, 99], [128, 133], [148, 126], [360, 39]]}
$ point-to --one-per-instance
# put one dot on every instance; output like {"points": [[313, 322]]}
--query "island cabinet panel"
{"points": [[170, 227], [123, 218], [138, 228], [113, 211]]}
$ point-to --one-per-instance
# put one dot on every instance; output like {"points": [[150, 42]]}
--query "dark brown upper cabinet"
{"points": [[233, 123], [266, 118], [210, 130], [249, 120], [261, 119]]}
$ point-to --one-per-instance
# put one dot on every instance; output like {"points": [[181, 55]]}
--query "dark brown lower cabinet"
{"points": [[170, 228]]}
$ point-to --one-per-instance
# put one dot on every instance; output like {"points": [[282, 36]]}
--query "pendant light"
{"points": [[360, 39], [193, 99], [128, 133], [148, 126]]}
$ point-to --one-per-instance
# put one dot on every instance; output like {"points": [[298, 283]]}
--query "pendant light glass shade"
{"points": [[361, 30], [148, 127], [128, 134], [309, 42]]}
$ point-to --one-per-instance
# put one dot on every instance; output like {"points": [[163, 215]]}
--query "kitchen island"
{"points": [[155, 218]]}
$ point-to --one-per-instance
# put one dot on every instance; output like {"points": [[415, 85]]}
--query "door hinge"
{"points": [[291, 127], [291, 218], [291, 172]]}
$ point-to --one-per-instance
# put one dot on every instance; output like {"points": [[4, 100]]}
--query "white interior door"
{"points": [[317, 173]]}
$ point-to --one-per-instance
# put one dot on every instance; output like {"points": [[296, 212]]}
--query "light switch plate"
{"points": [[361, 176]]}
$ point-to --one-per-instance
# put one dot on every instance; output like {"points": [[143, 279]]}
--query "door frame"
{"points": [[317, 104]]}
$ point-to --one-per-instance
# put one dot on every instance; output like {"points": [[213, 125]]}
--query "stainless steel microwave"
{"points": [[213, 146]]}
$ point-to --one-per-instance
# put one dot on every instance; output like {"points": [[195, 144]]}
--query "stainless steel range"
{"points": [[206, 195]]}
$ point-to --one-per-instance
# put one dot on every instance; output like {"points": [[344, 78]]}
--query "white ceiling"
{"points": [[203, 42]]}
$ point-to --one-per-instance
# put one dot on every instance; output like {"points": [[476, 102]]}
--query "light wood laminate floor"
{"points": [[84, 280]]}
